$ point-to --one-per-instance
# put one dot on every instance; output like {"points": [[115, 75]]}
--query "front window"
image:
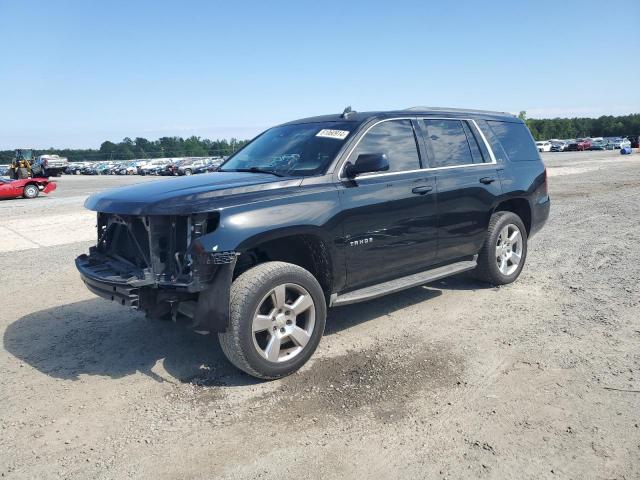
{"points": [[301, 149], [394, 138]]}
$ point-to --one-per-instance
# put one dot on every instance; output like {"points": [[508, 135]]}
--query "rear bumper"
{"points": [[539, 214]]}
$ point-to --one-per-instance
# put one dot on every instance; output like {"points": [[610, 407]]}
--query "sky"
{"points": [[77, 73]]}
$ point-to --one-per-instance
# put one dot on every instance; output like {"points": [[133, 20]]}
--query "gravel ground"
{"points": [[538, 379]]}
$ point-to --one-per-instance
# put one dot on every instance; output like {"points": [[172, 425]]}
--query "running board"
{"points": [[403, 283]]}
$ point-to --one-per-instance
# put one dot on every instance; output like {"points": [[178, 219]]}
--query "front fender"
{"points": [[315, 212], [240, 228]]}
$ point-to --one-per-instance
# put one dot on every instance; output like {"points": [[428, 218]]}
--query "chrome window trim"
{"points": [[426, 169]]}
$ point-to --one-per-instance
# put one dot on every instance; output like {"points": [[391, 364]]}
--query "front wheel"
{"points": [[188, 171], [503, 254], [277, 318]]}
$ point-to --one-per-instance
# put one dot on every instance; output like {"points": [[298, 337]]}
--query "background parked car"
{"points": [[559, 146], [580, 144], [621, 143], [25, 187], [75, 168], [543, 146], [598, 145], [128, 168], [191, 167], [153, 167], [171, 169]]}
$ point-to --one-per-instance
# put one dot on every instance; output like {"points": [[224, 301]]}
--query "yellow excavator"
{"points": [[21, 165]]}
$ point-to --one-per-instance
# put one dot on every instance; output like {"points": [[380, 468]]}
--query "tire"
{"points": [[491, 268], [188, 171], [30, 191], [253, 295]]}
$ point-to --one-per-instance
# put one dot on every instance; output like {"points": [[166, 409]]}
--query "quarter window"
{"points": [[516, 140], [447, 143], [394, 138]]}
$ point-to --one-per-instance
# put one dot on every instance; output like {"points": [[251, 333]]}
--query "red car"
{"points": [[27, 187], [580, 144]]}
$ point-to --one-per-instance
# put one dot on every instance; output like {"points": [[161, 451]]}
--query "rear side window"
{"points": [[394, 138], [447, 143], [516, 140], [476, 153]]}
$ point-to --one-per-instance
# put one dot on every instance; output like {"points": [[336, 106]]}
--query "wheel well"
{"points": [[306, 251], [520, 207]]}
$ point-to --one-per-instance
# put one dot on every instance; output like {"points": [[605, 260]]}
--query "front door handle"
{"points": [[488, 180], [422, 189]]}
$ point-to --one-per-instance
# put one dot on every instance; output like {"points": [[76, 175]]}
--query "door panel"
{"points": [[389, 218], [389, 229], [464, 209], [467, 181], [9, 190]]}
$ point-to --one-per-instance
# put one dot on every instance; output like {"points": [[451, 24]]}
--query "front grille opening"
{"points": [[155, 244], [125, 239]]}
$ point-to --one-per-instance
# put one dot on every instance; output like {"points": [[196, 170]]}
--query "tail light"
{"points": [[546, 184]]}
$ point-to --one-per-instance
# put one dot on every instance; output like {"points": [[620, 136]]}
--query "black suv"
{"points": [[321, 212]]}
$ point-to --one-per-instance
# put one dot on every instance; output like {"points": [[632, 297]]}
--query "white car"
{"points": [[543, 146], [622, 143]]}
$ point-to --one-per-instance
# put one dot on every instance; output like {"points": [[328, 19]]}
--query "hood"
{"points": [[190, 194]]}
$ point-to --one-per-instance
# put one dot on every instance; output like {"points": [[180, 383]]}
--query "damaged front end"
{"points": [[156, 264]]}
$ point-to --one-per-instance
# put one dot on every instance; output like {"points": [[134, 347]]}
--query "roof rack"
{"points": [[462, 110]]}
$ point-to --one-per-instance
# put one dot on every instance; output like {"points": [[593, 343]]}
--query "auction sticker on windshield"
{"points": [[337, 134]]}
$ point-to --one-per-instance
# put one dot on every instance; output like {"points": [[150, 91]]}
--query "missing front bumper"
{"points": [[132, 287]]}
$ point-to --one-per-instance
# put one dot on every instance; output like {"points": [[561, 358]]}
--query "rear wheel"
{"points": [[504, 251], [277, 318], [30, 191], [188, 171]]}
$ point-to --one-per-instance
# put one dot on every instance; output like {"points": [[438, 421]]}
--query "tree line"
{"points": [[605, 126], [139, 147], [127, 149]]}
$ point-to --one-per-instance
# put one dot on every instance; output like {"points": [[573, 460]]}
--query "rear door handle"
{"points": [[488, 180], [422, 189]]}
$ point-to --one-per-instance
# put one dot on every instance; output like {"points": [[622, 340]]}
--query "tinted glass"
{"points": [[447, 143], [299, 150], [394, 138], [473, 143], [516, 140]]}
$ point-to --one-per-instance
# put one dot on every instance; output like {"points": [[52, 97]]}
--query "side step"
{"points": [[403, 283]]}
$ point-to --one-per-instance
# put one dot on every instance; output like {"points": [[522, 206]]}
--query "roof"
{"points": [[359, 117]]}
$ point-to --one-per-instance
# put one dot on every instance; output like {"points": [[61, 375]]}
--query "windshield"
{"points": [[292, 150]]}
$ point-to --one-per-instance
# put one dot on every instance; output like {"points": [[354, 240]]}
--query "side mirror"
{"points": [[367, 163]]}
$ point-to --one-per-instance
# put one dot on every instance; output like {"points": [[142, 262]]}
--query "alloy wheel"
{"points": [[509, 249], [283, 322]]}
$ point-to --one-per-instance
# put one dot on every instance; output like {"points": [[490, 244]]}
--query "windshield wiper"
{"points": [[254, 170]]}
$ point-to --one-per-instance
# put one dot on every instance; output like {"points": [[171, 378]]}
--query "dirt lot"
{"points": [[539, 379]]}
